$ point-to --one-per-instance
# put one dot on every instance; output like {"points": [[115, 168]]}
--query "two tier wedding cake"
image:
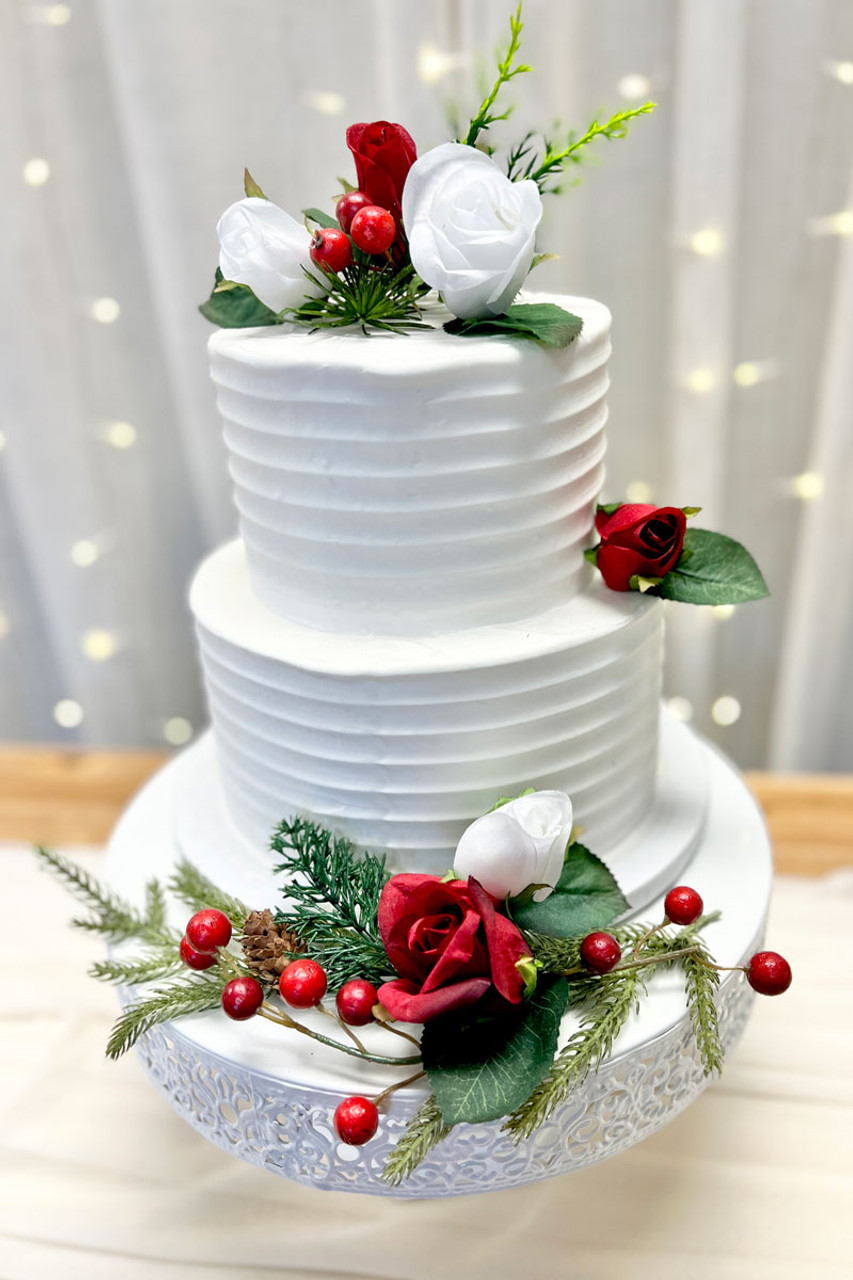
{"points": [[439, 785]]}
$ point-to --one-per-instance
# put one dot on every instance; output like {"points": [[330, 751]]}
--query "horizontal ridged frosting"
{"points": [[400, 742], [407, 485]]}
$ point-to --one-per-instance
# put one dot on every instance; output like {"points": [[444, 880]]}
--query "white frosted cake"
{"points": [[408, 629]]}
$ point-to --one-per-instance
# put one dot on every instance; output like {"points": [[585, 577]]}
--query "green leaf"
{"points": [[235, 307], [322, 219], [609, 507], [691, 511], [251, 187], [719, 571], [638, 583], [484, 1070], [539, 258], [586, 897], [591, 554], [544, 322]]}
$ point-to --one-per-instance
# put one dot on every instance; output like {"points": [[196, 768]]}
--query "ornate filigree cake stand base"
{"points": [[268, 1096]]}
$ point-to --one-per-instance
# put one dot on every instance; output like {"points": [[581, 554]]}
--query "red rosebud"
{"points": [[638, 538], [449, 945], [383, 154]]}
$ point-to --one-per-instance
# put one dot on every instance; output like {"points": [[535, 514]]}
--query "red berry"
{"points": [[195, 959], [331, 249], [373, 229], [242, 998], [349, 205], [303, 984], [209, 930], [356, 1120], [355, 1002], [600, 952], [769, 973], [682, 905]]}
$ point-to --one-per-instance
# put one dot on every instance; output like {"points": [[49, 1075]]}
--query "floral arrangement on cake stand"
{"points": [[483, 963]]}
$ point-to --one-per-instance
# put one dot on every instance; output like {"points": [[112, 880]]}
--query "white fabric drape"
{"points": [[731, 373]]}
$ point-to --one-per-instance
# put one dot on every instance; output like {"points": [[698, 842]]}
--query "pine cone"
{"points": [[268, 947]]}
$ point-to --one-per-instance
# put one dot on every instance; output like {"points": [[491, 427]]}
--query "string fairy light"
{"points": [[639, 491], [808, 486], [327, 103], [722, 612], [105, 310], [121, 435], [84, 552], [68, 713], [680, 708], [433, 64], [634, 87], [99, 645], [833, 224], [699, 381], [5, 625], [36, 172], [726, 711], [177, 731], [707, 242]]}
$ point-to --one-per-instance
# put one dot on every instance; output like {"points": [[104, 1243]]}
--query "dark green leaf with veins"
{"points": [[543, 322], [236, 307], [586, 897], [482, 1070], [717, 570]]}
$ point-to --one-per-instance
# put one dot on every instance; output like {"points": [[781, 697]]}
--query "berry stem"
{"points": [[405, 1035], [656, 928], [284, 1020], [401, 1084], [343, 1026]]}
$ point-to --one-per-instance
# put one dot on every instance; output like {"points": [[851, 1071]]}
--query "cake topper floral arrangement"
{"points": [[461, 219], [486, 959]]}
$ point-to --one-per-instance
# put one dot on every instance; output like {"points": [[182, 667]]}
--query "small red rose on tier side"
{"points": [[383, 154], [449, 945], [638, 538]]}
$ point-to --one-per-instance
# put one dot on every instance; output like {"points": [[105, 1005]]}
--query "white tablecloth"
{"points": [[100, 1180]]}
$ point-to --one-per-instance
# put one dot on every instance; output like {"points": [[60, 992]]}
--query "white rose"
{"points": [[546, 816], [471, 231], [522, 843], [263, 247]]}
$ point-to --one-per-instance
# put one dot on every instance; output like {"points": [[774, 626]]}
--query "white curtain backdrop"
{"points": [[719, 235]]}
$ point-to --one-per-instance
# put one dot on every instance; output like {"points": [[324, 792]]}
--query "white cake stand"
{"points": [[268, 1096]]}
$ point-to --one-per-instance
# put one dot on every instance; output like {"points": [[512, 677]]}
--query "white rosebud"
{"points": [[471, 231], [263, 247], [497, 851], [546, 816]]}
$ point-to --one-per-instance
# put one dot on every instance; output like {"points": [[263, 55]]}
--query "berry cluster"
{"points": [[767, 972], [364, 224]]}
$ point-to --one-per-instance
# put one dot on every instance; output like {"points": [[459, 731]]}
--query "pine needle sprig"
{"points": [[701, 983], [112, 917], [363, 294], [197, 891], [343, 953], [508, 69], [542, 169], [560, 955], [608, 1007], [157, 964], [196, 995], [426, 1129], [325, 874]]}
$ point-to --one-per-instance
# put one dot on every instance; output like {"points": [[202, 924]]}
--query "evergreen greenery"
{"points": [[332, 901], [425, 1131], [156, 964], [195, 995], [112, 917], [198, 892], [605, 1013], [365, 294]]}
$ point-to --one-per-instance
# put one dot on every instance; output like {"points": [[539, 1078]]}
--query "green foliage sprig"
{"points": [[542, 164], [607, 1012], [198, 891], [112, 917], [382, 298], [332, 900], [196, 995], [425, 1130], [508, 69]]}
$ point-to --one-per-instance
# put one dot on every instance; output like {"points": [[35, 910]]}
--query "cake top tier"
{"points": [[418, 484]]}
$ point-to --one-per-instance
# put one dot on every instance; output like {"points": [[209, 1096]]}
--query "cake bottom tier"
{"points": [[269, 1097], [399, 743]]}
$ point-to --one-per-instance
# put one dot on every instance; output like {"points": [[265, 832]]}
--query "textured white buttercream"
{"points": [[406, 485], [400, 742]]}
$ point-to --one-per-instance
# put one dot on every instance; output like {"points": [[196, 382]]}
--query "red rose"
{"points": [[449, 945], [383, 153], [638, 538]]}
